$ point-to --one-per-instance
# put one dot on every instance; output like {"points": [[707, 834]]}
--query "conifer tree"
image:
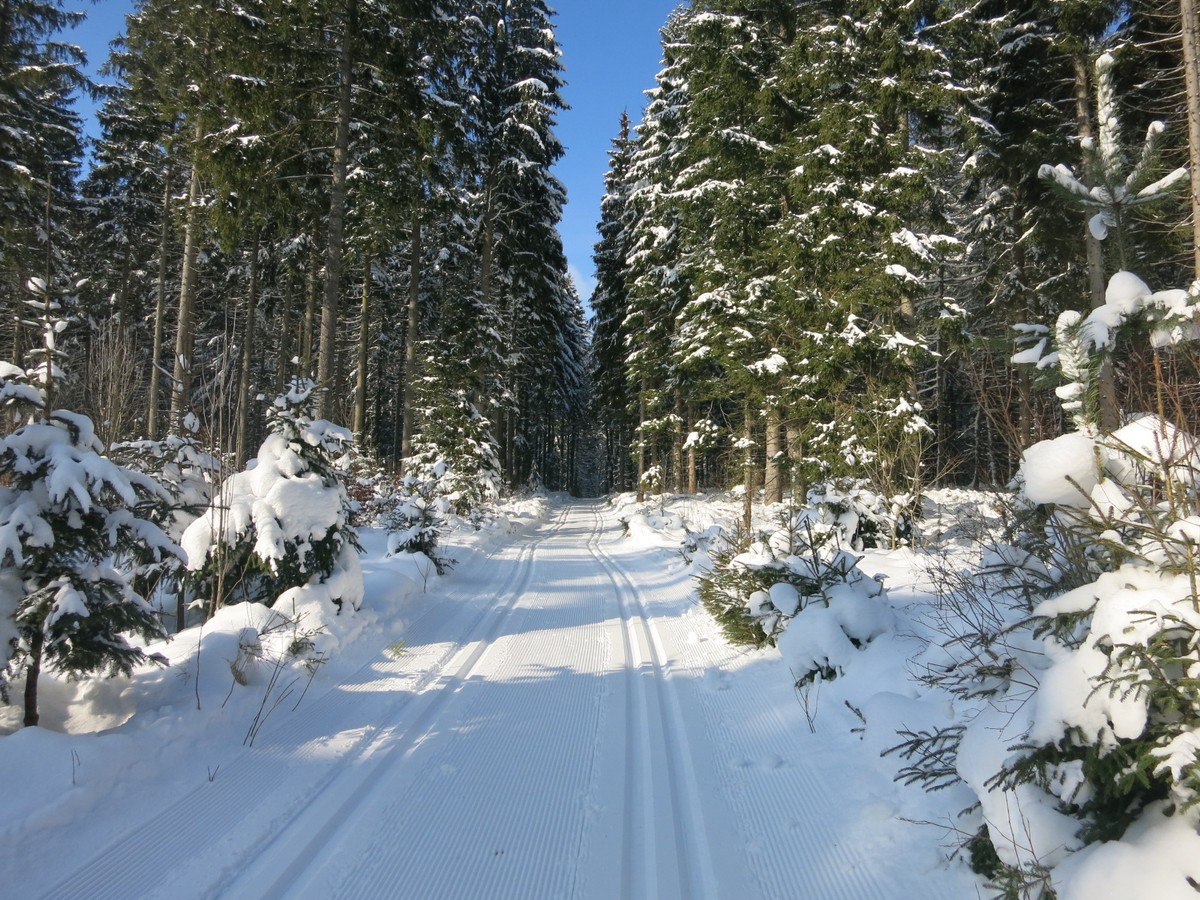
{"points": [[610, 301], [282, 527], [68, 515], [40, 150]]}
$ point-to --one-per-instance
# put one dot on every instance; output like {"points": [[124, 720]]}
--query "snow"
{"points": [[557, 716], [773, 364], [1153, 861], [1061, 470], [1024, 829], [1125, 292]]}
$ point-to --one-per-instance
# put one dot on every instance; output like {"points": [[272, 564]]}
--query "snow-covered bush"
{"points": [[860, 517], [66, 513], [798, 589], [281, 528], [455, 449], [372, 489], [1092, 720], [416, 522], [186, 473], [1090, 659]]}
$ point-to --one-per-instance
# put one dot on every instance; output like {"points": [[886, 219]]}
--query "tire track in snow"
{"points": [[195, 830], [646, 660]]}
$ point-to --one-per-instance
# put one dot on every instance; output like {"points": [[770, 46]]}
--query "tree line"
{"points": [[353, 191], [825, 239]]}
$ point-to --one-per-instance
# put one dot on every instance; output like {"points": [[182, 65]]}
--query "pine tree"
{"points": [[516, 79], [40, 150], [657, 288]]}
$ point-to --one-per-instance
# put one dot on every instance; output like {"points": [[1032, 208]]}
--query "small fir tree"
{"points": [[66, 513], [284, 522]]}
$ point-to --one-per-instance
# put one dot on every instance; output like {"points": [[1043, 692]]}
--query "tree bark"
{"points": [[160, 314], [409, 376], [1190, 27], [1109, 413], [795, 453], [308, 325], [677, 482], [284, 373], [364, 338], [185, 327], [32, 671], [242, 426], [639, 444], [693, 486], [773, 479], [334, 245], [748, 464]]}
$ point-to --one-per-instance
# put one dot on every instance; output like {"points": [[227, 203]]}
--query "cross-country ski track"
{"points": [[566, 722]]}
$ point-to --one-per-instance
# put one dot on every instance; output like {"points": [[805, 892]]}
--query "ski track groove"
{"points": [[297, 865], [693, 853], [773, 789], [131, 865], [417, 802], [527, 854]]}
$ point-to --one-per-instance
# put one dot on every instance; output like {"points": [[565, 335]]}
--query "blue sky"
{"points": [[611, 51]]}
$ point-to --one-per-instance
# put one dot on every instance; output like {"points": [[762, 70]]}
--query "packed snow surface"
{"points": [[556, 717]]}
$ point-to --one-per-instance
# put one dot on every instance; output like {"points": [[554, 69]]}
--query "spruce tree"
{"points": [[281, 527], [610, 302], [68, 517]]}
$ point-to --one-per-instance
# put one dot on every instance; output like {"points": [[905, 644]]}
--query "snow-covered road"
{"points": [[567, 723]]}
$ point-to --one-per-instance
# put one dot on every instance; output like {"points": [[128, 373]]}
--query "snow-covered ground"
{"points": [[557, 717]]}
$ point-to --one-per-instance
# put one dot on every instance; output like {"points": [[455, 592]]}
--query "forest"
{"points": [[819, 249], [353, 192], [836, 223], [308, 277]]}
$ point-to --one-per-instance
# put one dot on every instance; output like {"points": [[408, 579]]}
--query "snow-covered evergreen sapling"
{"points": [[282, 525], [455, 454], [186, 472], [416, 522], [1093, 721], [1093, 710], [66, 513], [799, 589]]}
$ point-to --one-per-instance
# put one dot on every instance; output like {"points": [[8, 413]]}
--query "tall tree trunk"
{"points": [[639, 443], [748, 468], [487, 240], [773, 478], [245, 381], [397, 460], [185, 326], [364, 346], [334, 245], [32, 670], [408, 377], [1190, 26], [285, 365], [693, 485], [18, 315], [1109, 412], [677, 482], [795, 453], [308, 325], [153, 411]]}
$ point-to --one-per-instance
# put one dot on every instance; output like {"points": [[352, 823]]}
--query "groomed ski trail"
{"points": [[573, 728]]}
